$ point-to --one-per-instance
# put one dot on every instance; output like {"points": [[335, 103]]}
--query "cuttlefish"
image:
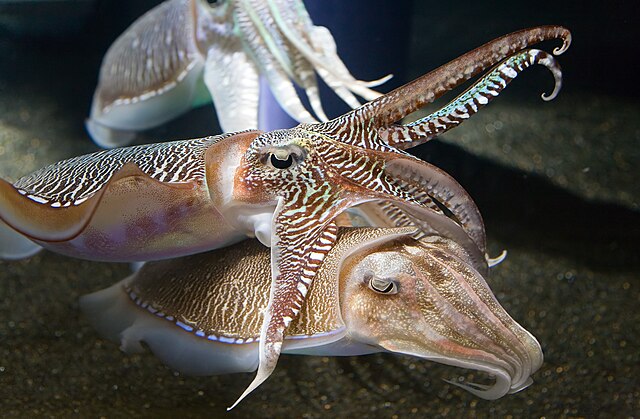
{"points": [[379, 290], [285, 187], [187, 53]]}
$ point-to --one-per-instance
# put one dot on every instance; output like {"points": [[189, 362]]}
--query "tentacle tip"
{"points": [[242, 396], [378, 82], [522, 386], [551, 96], [496, 260], [487, 392], [565, 45]]}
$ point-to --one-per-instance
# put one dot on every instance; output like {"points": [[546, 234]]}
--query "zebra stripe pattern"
{"points": [[360, 126], [472, 100], [73, 181]]}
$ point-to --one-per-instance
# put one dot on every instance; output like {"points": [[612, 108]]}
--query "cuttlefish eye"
{"points": [[281, 164], [381, 285], [282, 157]]}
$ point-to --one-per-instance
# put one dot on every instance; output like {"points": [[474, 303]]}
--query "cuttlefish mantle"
{"points": [[379, 290]]}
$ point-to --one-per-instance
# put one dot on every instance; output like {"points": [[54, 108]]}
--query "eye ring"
{"points": [[382, 285], [281, 164]]}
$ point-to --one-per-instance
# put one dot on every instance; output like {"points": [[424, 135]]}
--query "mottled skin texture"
{"points": [[378, 289], [299, 181], [185, 53]]}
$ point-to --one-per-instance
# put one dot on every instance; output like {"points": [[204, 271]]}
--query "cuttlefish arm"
{"points": [[472, 100], [295, 260], [361, 126], [233, 82], [316, 44]]}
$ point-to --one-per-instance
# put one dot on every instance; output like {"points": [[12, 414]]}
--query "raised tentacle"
{"points": [[471, 101], [359, 126]]}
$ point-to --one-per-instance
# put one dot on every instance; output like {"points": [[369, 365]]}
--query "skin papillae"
{"points": [[186, 53], [379, 289], [285, 187]]}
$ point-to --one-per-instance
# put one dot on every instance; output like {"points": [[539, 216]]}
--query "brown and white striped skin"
{"points": [[315, 172], [377, 290], [129, 204], [285, 187], [185, 53]]}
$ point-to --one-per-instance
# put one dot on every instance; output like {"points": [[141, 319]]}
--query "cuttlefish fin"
{"points": [[40, 219], [35, 218], [14, 246], [108, 137], [299, 245], [471, 100]]}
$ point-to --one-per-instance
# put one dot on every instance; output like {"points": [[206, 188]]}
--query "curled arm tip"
{"points": [[566, 43], [552, 65], [496, 260]]}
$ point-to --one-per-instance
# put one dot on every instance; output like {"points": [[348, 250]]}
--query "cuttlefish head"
{"points": [[423, 298]]}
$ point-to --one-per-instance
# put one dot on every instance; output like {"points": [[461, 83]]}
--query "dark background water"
{"points": [[556, 182]]}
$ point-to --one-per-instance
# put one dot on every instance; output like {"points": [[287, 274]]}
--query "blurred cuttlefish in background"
{"points": [[186, 53], [379, 290]]}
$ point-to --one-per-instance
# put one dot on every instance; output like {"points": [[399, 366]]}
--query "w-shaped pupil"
{"points": [[281, 164], [381, 286]]}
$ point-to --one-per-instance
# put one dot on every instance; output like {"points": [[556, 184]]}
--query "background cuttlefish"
{"points": [[378, 290], [285, 187], [186, 53]]}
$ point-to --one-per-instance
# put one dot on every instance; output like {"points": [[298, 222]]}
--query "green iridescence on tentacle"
{"points": [[473, 99]]}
